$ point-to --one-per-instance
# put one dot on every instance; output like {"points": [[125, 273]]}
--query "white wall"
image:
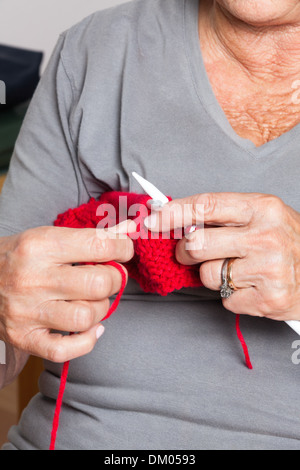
{"points": [[36, 24]]}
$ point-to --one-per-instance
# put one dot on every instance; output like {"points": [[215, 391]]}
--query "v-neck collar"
{"points": [[207, 96]]}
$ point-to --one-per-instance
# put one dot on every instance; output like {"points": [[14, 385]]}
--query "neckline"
{"points": [[207, 96]]}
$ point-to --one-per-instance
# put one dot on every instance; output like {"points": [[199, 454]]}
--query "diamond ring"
{"points": [[226, 291]]}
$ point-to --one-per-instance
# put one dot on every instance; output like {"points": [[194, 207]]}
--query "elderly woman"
{"points": [[200, 98]]}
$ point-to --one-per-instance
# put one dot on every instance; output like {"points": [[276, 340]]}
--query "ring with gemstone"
{"points": [[225, 291]]}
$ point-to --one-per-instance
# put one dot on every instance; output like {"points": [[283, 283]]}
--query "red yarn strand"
{"points": [[65, 370], [62, 386], [116, 302], [243, 342]]}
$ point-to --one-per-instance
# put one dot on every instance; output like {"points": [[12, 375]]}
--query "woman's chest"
{"points": [[170, 138], [261, 120], [257, 109]]}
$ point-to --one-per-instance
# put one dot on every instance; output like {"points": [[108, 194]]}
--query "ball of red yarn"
{"points": [[154, 265]]}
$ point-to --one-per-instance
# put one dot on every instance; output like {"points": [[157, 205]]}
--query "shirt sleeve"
{"points": [[15, 360], [42, 180]]}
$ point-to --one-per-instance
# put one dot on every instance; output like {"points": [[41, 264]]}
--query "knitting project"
{"points": [[154, 265]]}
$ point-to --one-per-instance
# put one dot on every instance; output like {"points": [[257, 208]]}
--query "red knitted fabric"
{"points": [[154, 265]]}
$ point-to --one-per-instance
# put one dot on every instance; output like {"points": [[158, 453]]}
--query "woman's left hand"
{"points": [[260, 231]]}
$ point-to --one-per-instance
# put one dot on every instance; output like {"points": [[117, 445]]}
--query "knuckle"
{"points": [[102, 247], [204, 204], [27, 244], [273, 207], [83, 318], [280, 302], [274, 304], [56, 353], [207, 275], [99, 284], [272, 239]]}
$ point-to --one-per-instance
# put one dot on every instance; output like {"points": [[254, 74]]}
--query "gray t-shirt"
{"points": [[126, 90]]}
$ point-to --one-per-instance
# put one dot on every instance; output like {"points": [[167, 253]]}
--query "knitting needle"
{"points": [[156, 195], [158, 198]]}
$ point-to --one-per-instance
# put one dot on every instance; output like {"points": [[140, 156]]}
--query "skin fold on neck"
{"points": [[253, 70]]}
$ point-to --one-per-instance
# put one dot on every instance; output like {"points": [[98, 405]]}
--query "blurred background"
{"points": [[29, 30]]}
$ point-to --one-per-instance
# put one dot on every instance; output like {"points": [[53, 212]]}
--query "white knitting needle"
{"points": [[158, 197]]}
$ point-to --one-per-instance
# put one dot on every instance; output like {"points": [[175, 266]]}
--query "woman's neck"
{"points": [[269, 51], [253, 71]]}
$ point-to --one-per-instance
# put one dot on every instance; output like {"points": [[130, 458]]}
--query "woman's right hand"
{"points": [[41, 291]]}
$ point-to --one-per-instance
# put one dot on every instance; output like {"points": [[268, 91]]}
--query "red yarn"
{"points": [[243, 342], [59, 400], [154, 265], [65, 370]]}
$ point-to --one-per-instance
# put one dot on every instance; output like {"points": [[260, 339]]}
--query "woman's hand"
{"points": [[260, 231], [40, 289]]}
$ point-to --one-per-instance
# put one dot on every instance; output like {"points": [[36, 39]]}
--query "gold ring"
{"points": [[229, 274]]}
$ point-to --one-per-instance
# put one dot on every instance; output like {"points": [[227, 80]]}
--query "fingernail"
{"points": [[189, 231], [100, 331], [150, 221], [155, 205], [192, 229], [132, 226]]}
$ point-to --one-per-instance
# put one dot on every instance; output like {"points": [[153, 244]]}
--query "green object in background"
{"points": [[10, 124]]}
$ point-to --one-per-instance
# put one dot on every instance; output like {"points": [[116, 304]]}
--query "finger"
{"points": [[72, 316], [86, 282], [70, 245], [59, 348], [242, 274], [127, 226], [209, 208], [244, 302], [212, 243]]}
